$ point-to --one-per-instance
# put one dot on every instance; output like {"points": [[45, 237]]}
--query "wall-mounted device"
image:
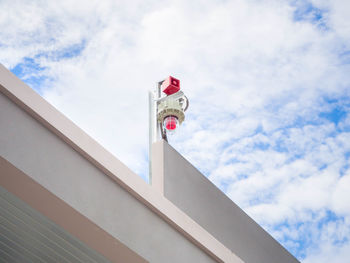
{"points": [[167, 108]]}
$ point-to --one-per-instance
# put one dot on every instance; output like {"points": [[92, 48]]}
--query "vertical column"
{"points": [[157, 166]]}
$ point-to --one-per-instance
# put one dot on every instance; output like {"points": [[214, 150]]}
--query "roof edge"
{"points": [[36, 106]]}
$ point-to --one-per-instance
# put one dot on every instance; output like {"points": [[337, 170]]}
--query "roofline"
{"points": [[27, 99], [25, 188]]}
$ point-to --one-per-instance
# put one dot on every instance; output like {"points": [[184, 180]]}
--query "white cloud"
{"points": [[340, 197], [257, 81], [333, 244]]}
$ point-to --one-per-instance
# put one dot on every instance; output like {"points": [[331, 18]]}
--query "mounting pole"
{"points": [[155, 133], [167, 105]]}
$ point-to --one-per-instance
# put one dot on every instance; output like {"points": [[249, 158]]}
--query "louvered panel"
{"points": [[4, 257], [28, 236]]}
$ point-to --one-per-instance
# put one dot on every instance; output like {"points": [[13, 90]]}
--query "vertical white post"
{"points": [[151, 132], [154, 128]]}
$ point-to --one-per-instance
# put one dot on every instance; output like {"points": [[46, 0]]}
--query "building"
{"points": [[64, 198]]}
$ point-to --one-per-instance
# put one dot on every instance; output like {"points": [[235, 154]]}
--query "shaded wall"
{"points": [[193, 193], [40, 154]]}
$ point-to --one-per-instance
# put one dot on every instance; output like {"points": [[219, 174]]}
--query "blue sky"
{"points": [[269, 89]]}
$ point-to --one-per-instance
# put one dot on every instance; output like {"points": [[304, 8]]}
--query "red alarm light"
{"points": [[170, 85], [170, 123]]}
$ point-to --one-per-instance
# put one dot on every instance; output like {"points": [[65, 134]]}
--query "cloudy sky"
{"points": [[269, 89]]}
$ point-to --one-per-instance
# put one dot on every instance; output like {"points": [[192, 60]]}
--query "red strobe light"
{"points": [[170, 85], [170, 123]]}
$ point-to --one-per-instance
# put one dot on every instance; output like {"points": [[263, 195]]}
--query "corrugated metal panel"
{"points": [[28, 236]]}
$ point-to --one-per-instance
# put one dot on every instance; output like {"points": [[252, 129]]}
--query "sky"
{"points": [[269, 89]]}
